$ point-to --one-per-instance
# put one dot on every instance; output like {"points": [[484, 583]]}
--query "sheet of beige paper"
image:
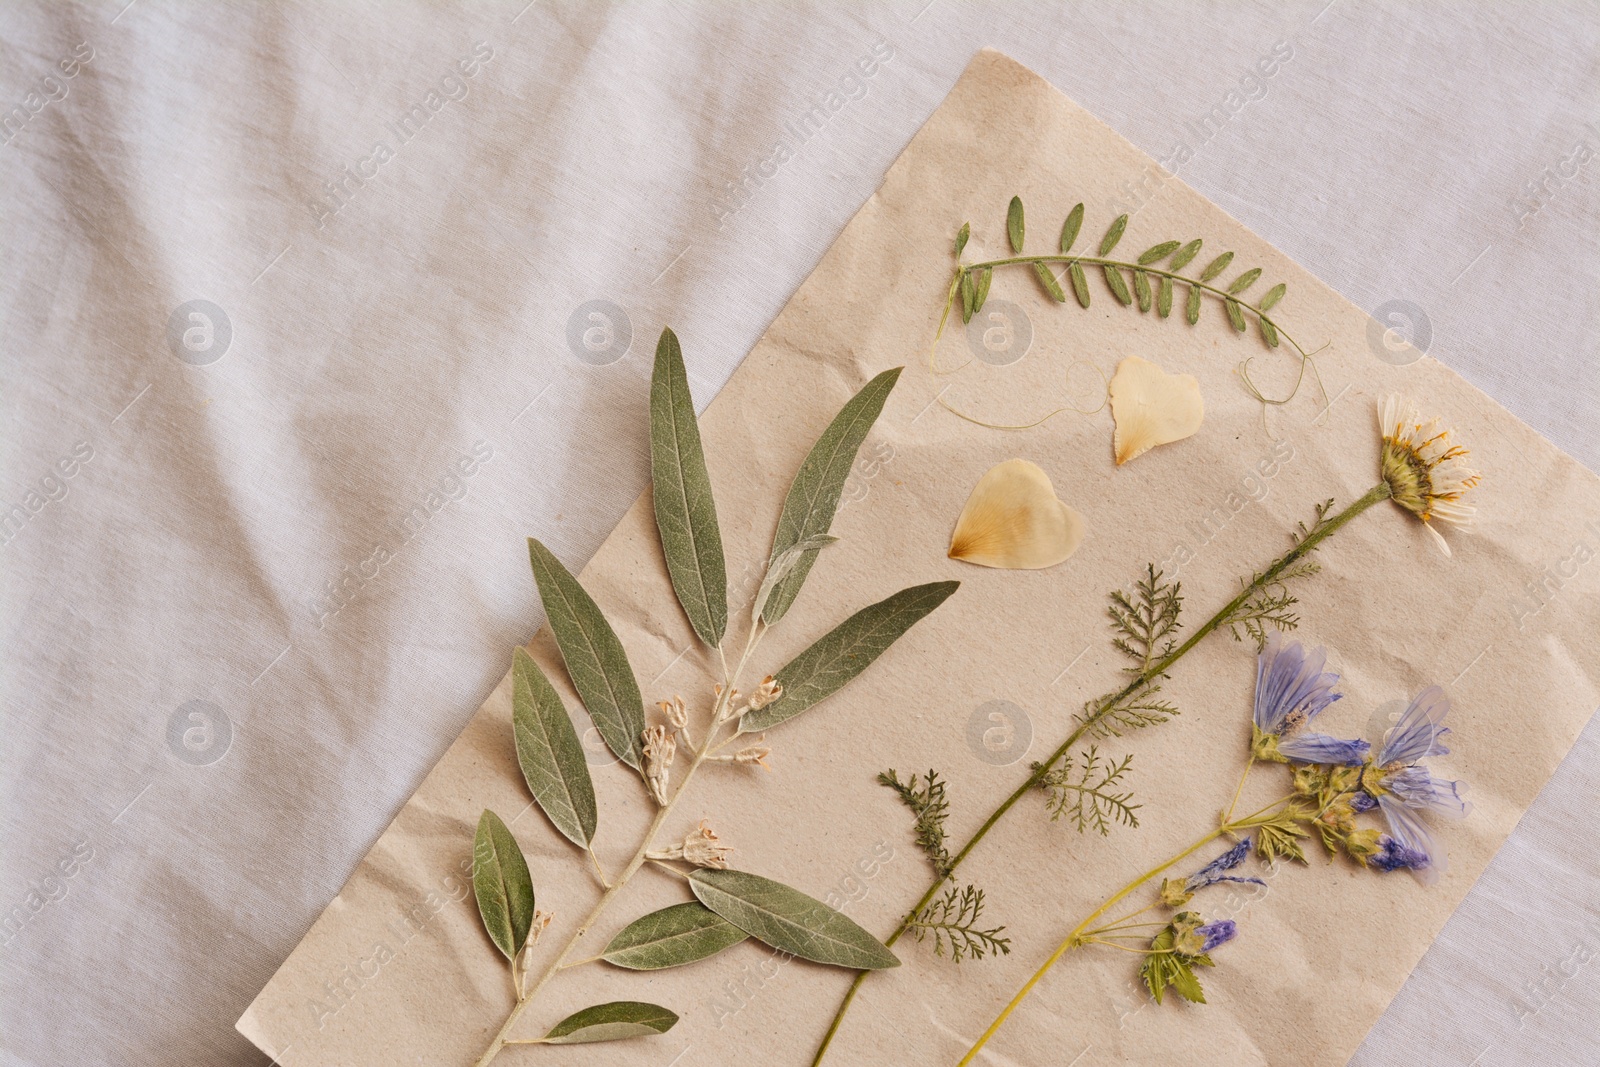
{"points": [[398, 970]]}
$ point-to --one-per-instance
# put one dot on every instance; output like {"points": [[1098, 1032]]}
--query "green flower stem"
{"points": [[1080, 934], [718, 715], [1305, 547]]}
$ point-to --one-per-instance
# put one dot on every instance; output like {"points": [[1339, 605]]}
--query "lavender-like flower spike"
{"points": [[1217, 933], [1393, 856], [1215, 871], [1291, 689]]}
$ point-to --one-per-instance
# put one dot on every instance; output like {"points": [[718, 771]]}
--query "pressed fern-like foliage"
{"points": [[930, 808], [1085, 791], [952, 922]]}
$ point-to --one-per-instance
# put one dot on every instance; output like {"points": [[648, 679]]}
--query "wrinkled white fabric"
{"points": [[263, 555]]}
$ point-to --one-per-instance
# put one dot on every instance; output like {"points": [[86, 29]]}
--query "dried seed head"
{"points": [[675, 712], [754, 754], [766, 693], [701, 848], [659, 748]]}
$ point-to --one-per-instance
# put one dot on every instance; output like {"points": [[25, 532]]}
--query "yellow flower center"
{"points": [[1408, 476]]}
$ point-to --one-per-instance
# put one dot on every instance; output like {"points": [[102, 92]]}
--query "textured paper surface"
{"points": [[398, 969]]}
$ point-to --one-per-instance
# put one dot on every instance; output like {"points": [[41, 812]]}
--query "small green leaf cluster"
{"points": [[728, 906], [1168, 966]]}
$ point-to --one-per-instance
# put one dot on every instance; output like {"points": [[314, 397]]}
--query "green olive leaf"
{"points": [[672, 937], [844, 652], [1014, 228], [813, 497], [593, 653], [686, 514], [788, 920], [616, 1021], [783, 563], [969, 296], [1070, 228], [502, 885], [548, 749]]}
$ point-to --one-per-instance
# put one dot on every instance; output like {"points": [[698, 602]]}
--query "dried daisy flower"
{"points": [[1426, 474], [659, 748], [1014, 521], [1151, 407]]}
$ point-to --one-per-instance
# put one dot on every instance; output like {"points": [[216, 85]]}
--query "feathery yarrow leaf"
{"points": [[930, 808], [952, 922], [1084, 791]]}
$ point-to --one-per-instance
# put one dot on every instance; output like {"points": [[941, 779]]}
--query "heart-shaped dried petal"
{"points": [[1152, 407], [1013, 520]]}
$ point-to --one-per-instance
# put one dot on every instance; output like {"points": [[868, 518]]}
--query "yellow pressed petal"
{"points": [[1152, 407], [1014, 521]]}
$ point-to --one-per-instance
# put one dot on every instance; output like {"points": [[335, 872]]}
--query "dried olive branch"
{"points": [[1323, 529], [719, 718]]}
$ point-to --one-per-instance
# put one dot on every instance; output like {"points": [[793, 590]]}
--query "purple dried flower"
{"points": [[1291, 689], [1405, 789], [1393, 856], [1217, 933], [1214, 872]]}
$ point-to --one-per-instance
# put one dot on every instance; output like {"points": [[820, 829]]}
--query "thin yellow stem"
{"points": [[1248, 767]]}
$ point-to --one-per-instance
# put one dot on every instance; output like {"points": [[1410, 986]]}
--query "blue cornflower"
{"points": [[1217, 933], [1291, 689], [1404, 789]]}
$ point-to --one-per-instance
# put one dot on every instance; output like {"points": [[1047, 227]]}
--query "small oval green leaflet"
{"points": [[502, 884], [1216, 267], [686, 514], [616, 1021], [1118, 287], [1048, 280], [672, 937], [1164, 297], [844, 652], [813, 497], [1274, 295], [1185, 254], [961, 238], [596, 661], [789, 920], [1014, 227], [549, 752], [1080, 284], [1113, 235], [1245, 280], [968, 295], [1235, 315], [1191, 310], [1160, 251], [981, 289], [1070, 228], [1141, 289]]}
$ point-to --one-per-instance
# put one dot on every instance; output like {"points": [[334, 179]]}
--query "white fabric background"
{"points": [[427, 314]]}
